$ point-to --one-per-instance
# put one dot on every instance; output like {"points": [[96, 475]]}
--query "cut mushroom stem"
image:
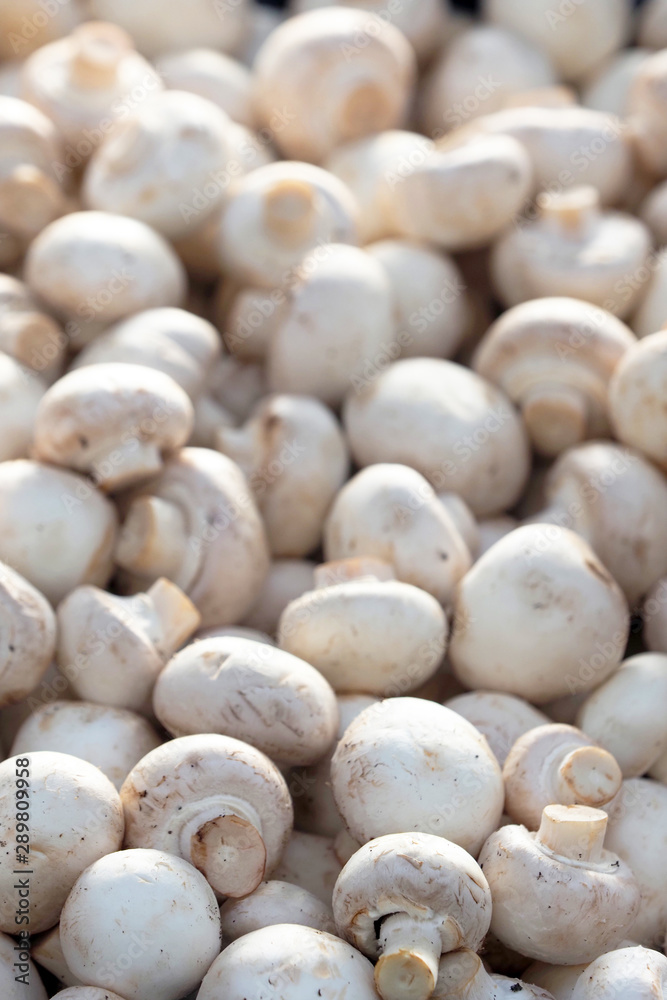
{"points": [[100, 49], [410, 952], [574, 832], [556, 416], [590, 774], [167, 615], [227, 848], [153, 540]]}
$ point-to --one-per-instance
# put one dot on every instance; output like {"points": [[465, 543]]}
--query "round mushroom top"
{"points": [[112, 421], [636, 397], [274, 902], [635, 973], [27, 135], [292, 962], [103, 267], [501, 718], [86, 993], [419, 874], [211, 74], [28, 630]]}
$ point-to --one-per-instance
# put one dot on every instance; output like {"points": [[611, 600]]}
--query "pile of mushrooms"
{"points": [[333, 500]]}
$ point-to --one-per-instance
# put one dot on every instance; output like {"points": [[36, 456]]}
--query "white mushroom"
{"points": [[462, 976], [340, 73], [19, 979], [112, 739], [653, 213], [290, 961], [247, 318], [501, 718], [86, 993], [274, 903], [541, 881], [560, 980], [28, 629], [539, 588], [608, 87], [615, 499], [286, 580], [27, 334], [112, 649], [310, 862], [391, 513], [251, 691], [557, 764], [554, 357], [74, 817], [215, 801], [577, 39], [88, 83], [163, 164], [56, 529], [46, 950], [572, 248], [428, 758], [190, 524], [404, 899], [278, 213], [188, 23], [20, 393], [213, 75], [646, 114], [492, 529], [453, 426], [629, 972], [636, 398], [97, 266], [368, 633], [637, 823], [295, 459], [141, 921]]}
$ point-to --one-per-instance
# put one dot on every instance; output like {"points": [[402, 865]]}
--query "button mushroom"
{"points": [[405, 898], [27, 334], [636, 396], [56, 529], [274, 903], [141, 921], [440, 768], [462, 976], [111, 649], [112, 739], [557, 764], [306, 66], [554, 357], [251, 691], [74, 816], [190, 524], [501, 718], [450, 424], [369, 635], [86, 993], [310, 861], [294, 456], [540, 881], [20, 394], [391, 513], [629, 972], [215, 801], [211, 74], [289, 961], [287, 579], [28, 629], [558, 598]]}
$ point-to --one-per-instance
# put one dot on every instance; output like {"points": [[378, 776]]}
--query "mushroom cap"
{"points": [[28, 988], [27, 334], [95, 265], [276, 215], [448, 781], [636, 397], [165, 153], [211, 74], [636, 832], [338, 319], [560, 980], [185, 777], [86, 993], [424, 876], [626, 714], [173, 341], [501, 718], [112, 421], [310, 861], [554, 908], [154, 901], [40, 538], [294, 456], [189, 23], [454, 427], [646, 111], [367, 636], [615, 499], [635, 973], [608, 89], [28, 628], [391, 512], [223, 528], [20, 393], [286, 580], [652, 312], [251, 691], [112, 739], [267, 959], [538, 347], [273, 903], [305, 65], [76, 817], [556, 597]]}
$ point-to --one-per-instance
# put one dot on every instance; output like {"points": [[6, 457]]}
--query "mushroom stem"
{"points": [[462, 974], [591, 774], [572, 212], [126, 463], [33, 338], [225, 843], [408, 965], [29, 200], [556, 416], [289, 210], [100, 48], [170, 616], [574, 832], [357, 568], [153, 540]]}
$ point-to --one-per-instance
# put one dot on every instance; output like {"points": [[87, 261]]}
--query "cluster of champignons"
{"points": [[333, 500]]}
